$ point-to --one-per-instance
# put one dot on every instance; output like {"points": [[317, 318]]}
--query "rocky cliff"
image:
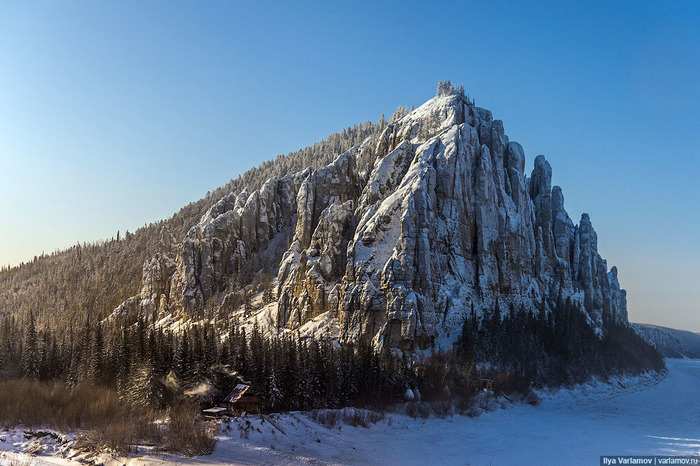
{"points": [[395, 241]]}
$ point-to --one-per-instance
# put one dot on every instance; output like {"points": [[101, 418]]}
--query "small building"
{"points": [[214, 413], [242, 399], [487, 384]]}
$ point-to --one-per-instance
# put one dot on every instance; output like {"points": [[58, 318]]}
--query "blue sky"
{"points": [[116, 114]]}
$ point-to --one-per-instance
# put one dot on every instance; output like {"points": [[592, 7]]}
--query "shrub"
{"points": [[532, 399], [33, 403], [326, 417], [444, 408], [418, 410], [186, 433], [351, 416], [108, 421], [361, 417]]}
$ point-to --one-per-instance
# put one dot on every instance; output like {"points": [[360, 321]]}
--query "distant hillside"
{"points": [[670, 342], [64, 287]]}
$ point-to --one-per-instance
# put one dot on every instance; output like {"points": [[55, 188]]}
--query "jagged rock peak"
{"points": [[398, 239]]}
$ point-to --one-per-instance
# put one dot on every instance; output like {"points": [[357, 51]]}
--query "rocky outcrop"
{"points": [[157, 274], [401, 237], [447, 222], [309, 277], [239, 236]]}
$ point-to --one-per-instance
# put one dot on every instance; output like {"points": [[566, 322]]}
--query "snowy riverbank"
{"points": [[629, 416]]}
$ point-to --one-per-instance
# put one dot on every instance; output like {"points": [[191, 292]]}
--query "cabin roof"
{"points": [[238, 392], [216, 410]]}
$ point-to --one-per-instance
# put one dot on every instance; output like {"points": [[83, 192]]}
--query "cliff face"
{"points": [[398, 239]]}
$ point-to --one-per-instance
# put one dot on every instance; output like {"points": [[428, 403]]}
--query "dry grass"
{"points": [[471, 406], [419, 409], [13, 459], [107, 420], [351, 416], [186, 433], [33, 404], [122, 434]]}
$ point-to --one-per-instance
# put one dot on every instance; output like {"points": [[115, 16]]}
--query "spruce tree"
{"points": [[97, 365], [183, 362], [124, 362], [30, 354]]}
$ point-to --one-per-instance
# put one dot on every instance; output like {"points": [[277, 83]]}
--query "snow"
{"points": [[50, 446], [440, 106], [629, 416], [323, 325]]}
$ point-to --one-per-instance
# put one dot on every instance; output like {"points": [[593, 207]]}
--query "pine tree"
{"points": [[243, 358], [140, 337], [198, 370], [96, 357], [49, 366], [247, 306], [85, 354], [4, 343], [146, 386], [31, 356], [289, 373], [166, 350], [124, 362], [210, 346], [184, 365]]}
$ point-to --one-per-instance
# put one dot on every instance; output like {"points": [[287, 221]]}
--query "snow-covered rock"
{"points": [[399, 238]]}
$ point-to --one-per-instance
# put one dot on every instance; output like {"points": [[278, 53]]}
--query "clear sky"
{"points": [[115, 114]]}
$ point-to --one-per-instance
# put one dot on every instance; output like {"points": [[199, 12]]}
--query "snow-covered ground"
{"points": [[629, 417]]}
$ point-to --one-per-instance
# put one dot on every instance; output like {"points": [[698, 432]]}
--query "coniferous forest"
{"points": [[152, 367]]}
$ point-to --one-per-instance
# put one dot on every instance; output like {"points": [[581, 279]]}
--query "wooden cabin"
{"points": [[242, 399]]}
